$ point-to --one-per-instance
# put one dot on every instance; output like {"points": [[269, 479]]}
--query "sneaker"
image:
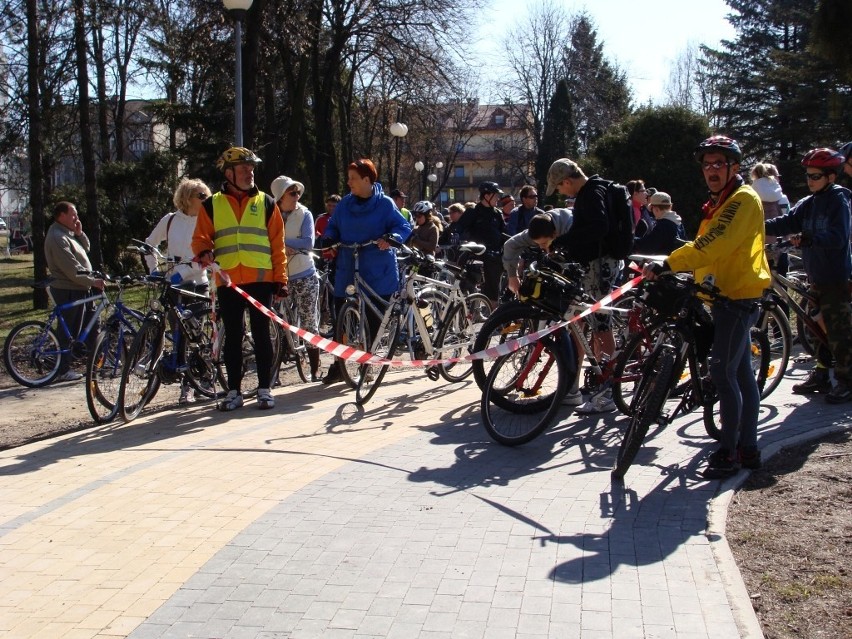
{"points": [[264, 399], [817, 382], [749, 457], [720, 465], [839, 394], [232, 401], [601, 403], [70, 376], [572, 398], [187, 395]]}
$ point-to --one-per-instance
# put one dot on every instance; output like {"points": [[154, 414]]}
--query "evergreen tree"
{"points": [[602, 98], [559, 137]]}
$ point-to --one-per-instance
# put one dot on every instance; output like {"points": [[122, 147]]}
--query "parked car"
{"points": [[3, 226]]}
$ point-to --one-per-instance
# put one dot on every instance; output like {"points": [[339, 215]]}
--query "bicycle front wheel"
{"points": [[646, 406], [348, 331], [32, 354], [139, 378], [198, 354], [371, 375], [103, 374], [524, 391], [455, 339]]}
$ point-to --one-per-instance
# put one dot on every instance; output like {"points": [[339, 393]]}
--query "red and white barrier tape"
{"points": [[352, 354]]}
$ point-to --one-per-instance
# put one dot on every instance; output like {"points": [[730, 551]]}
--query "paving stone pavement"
{"points": [[401, 519]]}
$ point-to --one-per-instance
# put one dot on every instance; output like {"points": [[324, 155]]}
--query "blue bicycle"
{"points": [[32, 351]]}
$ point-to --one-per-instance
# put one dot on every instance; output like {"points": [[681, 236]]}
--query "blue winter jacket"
{"points": [[823, 217], [354, 221]]}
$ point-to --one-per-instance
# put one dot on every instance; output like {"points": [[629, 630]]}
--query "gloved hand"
{"points": [[176, 279], [281, 290]]}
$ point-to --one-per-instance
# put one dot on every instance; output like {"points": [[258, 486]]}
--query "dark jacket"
{"points": [[485, 225], [823, 220], [584, 242], [519, 219], [667, 235]]}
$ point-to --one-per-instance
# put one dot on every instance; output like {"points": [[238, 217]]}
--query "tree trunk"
{"points": [[93, 223], [35, 152]]}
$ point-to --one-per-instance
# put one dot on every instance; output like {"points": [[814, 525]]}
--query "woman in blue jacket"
{"points": [[365, 214]]}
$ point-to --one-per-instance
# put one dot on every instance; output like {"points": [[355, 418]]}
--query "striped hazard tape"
{"points": [[352, 354]]}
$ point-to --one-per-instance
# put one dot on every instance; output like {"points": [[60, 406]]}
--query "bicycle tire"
{"points": [[809, 341], [371, 375], [32, 354], [103, 374], [761, 357], [628, 367], [455, 339], [348, 332], [201, 372], [140, 380], [507, 415], [646, 407], [508, 321], [776, 325]]}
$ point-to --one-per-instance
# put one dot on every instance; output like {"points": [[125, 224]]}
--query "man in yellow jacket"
{"points": [[730, 247], [240, 227]]}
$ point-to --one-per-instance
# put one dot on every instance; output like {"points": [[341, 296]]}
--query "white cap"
{"points": [[282, 184]]}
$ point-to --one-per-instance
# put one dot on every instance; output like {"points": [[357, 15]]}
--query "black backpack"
{"points": [[618, 242]]}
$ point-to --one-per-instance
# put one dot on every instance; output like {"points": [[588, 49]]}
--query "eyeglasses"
{"points": [[815, 176], [532, 196], [718, 164], [295, 193], [201, 196]]}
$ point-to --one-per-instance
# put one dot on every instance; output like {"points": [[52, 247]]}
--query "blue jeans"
{"points": [[730, 370]]}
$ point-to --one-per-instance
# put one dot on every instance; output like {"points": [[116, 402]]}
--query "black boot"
{"points": [[817, 382], [334, 374], [314, 360]]}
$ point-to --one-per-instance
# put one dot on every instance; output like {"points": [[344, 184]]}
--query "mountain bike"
{"points": [[32, 352], [676, 366]]}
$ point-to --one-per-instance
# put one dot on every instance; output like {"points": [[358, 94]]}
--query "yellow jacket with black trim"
{"points": [[729, 246], [232, 229]]}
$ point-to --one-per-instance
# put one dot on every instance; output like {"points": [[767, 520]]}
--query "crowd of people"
{"points": [[264, 244]]}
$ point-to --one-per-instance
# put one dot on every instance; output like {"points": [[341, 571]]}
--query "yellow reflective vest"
{"points": [[244, 242]]}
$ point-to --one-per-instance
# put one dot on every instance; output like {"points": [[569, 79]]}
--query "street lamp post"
{"points": [[419, 166], [398, 130], [237, 10], [425, 177]]}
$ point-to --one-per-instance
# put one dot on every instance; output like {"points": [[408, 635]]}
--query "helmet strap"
{"points": [[229, 182]]}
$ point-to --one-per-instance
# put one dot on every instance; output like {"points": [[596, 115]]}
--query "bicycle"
{"points": [[430, 317], [191, 356], [290, 348], [104, 367], [32, 352], [683, 337]]}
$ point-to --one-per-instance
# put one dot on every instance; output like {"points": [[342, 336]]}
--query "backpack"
{"points": [[618, 242]]}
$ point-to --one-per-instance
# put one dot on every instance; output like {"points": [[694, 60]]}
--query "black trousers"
{"points": [[232, 306]]}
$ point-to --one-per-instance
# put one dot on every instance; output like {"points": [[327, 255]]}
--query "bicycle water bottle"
{"points": [[426, 312]]}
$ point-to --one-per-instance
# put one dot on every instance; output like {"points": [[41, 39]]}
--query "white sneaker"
{"points": [[264, 399], [601, 403], [574, 398], [232, 401], [70, 376], [187, 395]]}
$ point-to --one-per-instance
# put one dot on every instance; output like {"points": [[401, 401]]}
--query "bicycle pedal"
{"points": [[432, 373]]}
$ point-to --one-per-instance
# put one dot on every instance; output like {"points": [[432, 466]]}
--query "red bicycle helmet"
{"points": [[719, 144], [823, 158]]}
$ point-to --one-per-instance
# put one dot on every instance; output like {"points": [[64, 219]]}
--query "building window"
{"points": [[458, 171], [500, 119], [498, 144], [458, 195]]}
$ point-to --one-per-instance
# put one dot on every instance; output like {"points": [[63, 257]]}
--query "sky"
{"points": [[644, 37]]}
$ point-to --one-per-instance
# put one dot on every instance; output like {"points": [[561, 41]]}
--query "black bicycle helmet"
{"points": [[236, 155], [823, 158], [486, 188], [719, 144]]}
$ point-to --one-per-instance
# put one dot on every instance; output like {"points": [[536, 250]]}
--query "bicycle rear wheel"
{"points": [[103, 374], [455, 338], [371, 375], [523, 392], [139, 378], [646, 406], [775, 324], [32, 354], [760, 364]]}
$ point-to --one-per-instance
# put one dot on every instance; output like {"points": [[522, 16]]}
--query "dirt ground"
{"points": [[788, 526]]}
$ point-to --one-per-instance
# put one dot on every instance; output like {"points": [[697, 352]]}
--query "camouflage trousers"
{"points": [[834, 304]]}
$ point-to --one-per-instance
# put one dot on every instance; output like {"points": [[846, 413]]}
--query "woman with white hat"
{"points": [[301, 272]]}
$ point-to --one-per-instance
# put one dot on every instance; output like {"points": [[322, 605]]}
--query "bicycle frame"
{"points": [[781, 285], [56, 315]]}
